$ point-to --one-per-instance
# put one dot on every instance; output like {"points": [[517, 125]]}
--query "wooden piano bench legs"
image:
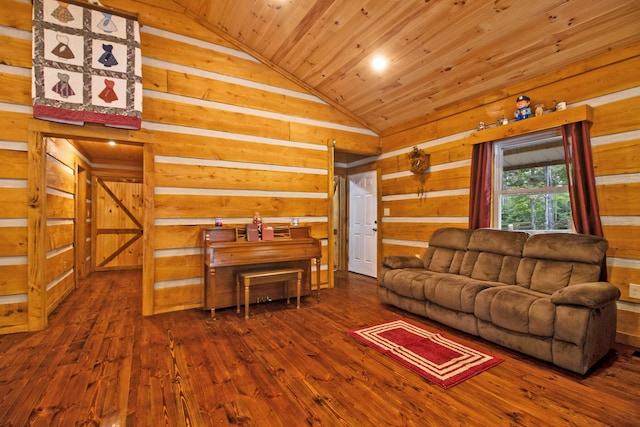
{"points": [[253, 278]]}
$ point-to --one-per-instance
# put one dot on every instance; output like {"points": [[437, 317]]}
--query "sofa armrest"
{"points": [[592, 295], [402, 261]]}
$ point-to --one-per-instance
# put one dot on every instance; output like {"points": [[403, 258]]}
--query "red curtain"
{"points": [[582, 182], [480, 192]]}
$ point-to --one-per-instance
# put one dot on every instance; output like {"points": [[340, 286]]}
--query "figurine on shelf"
{"points": [[523, 111], [539, 110], [257, 220]]}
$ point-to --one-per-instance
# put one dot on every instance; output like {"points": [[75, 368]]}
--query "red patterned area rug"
{"points": [[436, 358]]}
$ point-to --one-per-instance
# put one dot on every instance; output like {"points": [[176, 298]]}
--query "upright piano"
{"points": [[227, 252]]}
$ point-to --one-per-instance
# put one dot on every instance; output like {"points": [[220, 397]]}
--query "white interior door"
{"points": [[363, 224]]}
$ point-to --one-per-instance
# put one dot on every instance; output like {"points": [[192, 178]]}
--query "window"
{"points": [[530, 185]]}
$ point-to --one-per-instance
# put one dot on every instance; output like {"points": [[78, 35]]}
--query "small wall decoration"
{"points": [[419, 160], [523, 111], [87, 65]]}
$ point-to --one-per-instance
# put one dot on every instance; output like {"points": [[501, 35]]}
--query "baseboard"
{"points": [[628, 339], [628, 328]]}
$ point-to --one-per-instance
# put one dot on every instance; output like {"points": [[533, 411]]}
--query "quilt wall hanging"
{"points": [[87, 65]]}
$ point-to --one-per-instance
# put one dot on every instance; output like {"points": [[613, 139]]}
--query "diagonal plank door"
{"points": [[117, 228]]}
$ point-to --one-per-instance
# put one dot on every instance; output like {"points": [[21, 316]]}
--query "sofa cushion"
{"points": [[402, 261], [547, 276], [517, 309], [446, 250], [556, 260], [453, 291], [408, 282], [569, 247], [493, 255], [592, 295]]}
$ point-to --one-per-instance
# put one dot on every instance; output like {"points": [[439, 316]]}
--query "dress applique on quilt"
{"points": [[107, 59], [107, 25], [63, 88], [108, 94], [61, 13], [62, 49]]}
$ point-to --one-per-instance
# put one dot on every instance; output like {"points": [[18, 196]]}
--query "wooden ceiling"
{"points": [[101, 152], [440, 52]]}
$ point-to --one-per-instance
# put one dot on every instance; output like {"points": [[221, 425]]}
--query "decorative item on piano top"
{"points": [[257, 220], [267, 231], [419, 160], [253, 233]]}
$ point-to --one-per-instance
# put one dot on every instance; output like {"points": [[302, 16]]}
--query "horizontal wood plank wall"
{"points": [[15, 93], [13, 237], [233, 137], [60, 213], [616, 153], [230, 141]]}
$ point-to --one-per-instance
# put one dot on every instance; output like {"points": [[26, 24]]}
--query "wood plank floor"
{"points": [[100, 362]]}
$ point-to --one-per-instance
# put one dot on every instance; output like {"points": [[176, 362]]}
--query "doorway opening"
{"points": [[116, 203]]}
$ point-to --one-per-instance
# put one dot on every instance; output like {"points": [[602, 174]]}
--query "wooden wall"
{"points": [[231, 137], [225, 136], [61, 166], [610, 84], [13, 236]]}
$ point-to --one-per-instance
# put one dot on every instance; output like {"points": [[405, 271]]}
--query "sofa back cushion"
{"points": [[553, 261], [493, 255], [446, 250]]}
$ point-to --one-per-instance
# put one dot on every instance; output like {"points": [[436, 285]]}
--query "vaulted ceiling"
{"points": [[441, 53]]}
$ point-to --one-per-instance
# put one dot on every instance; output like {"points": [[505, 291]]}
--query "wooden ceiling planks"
{"points": [[101, 151], [441, 53]]}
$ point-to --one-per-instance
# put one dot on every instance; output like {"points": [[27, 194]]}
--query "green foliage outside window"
{"points": [[535, 198]]}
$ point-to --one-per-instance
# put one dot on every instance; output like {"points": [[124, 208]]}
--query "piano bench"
{"points": [[252, 278]]}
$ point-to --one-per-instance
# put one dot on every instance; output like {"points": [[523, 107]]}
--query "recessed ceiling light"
{"points": [[379, 63], [112, 143]]}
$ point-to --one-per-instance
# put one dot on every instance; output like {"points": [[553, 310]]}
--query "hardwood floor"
{"points": [[100, 362]]}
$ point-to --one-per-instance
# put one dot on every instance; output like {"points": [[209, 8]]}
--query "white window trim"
{"points": [[496, 190]]}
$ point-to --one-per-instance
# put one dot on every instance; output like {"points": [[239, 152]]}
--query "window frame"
{"points": [[497, 191]]}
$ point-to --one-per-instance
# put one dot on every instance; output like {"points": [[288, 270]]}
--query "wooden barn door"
{"points": [[116, 230]]}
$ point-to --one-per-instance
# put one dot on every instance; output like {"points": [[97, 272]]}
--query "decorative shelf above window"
{"points": [[533, 124]]}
